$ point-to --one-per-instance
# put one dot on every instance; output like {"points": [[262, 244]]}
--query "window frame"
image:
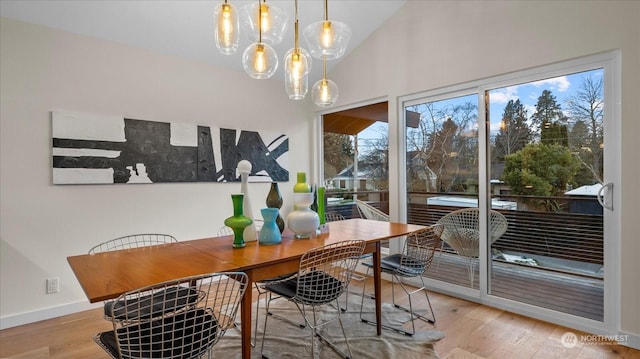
{"points": [[610, 62]]}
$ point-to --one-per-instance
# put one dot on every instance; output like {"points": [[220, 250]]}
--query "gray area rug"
{"points": [[284, 340]]}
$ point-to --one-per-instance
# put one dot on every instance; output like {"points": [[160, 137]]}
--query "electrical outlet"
{"points": [[53, 285]]}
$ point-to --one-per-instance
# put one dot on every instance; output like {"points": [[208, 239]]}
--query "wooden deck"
{"points": [[563, 237], [567, 293]]}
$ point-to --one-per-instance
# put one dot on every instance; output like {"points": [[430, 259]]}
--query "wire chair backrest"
{"points": [[133, 241], [464, 221], [419, 249], [333, 217], [325, 272], [187, 332], [367, 211]]}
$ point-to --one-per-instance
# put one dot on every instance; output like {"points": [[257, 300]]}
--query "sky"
{"points": [[562, 87]]}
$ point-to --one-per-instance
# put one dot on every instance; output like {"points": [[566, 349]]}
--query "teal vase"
{"points": [[269, 233], [238, 222]]}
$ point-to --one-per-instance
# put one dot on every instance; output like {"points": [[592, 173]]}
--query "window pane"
{"points": [[442, 173], [362, 134], [547, 144]]}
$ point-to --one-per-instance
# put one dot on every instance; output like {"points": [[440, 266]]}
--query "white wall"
{"points": [[427, 45], [433, 44], [41, 224]]}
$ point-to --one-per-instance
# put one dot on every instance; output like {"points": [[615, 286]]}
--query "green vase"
{"points": [[321, 203], [238, 222], [302, 186]]}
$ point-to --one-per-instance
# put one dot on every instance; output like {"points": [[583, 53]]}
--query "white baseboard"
{"points": [[630, 340], [47, 313]]}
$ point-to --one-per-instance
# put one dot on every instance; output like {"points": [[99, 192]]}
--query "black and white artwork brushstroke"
{"points": [[94, 149]]}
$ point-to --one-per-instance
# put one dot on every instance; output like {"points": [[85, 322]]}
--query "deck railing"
{"points": [[570, 236]]}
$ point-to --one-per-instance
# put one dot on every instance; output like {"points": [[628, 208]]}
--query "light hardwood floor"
{"points": [[472, 331]]}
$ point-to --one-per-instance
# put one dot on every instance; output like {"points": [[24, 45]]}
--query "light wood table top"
{"points": [[107, 275]]}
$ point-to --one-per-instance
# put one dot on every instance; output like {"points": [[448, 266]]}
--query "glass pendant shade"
{"points": [[272, 19], [227, 26], [297, 62], [324, 93], [327, 39], [260, 61]]}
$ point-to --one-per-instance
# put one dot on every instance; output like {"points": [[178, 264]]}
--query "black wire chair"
{"points": [[416, 257], [159, 326], [129, 242], [323, 276]]}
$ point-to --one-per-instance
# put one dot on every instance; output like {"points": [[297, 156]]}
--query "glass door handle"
{"points": [[605, 197]]}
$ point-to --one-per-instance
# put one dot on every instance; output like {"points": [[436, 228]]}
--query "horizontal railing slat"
{"points": [[560, 235]]}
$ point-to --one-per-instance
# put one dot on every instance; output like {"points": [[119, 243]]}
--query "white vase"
{"points": [[244, 167], [303, 221]]}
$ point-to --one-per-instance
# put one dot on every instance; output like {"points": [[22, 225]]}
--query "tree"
{"points": [[586, 106], [540, 170], [446, 142], [555, 133], [375, 162], [442, 159], [514, 131], [338, 153], [549, 120]]}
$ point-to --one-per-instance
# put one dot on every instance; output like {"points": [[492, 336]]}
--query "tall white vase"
{"points": [[244, 168]]}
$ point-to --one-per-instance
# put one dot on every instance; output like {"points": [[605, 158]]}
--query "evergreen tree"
{"points": [[541, 170], [514, 131], [550, 120]]}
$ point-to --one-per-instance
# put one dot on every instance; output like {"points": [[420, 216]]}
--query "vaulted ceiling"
{"points": [[185, 27]]}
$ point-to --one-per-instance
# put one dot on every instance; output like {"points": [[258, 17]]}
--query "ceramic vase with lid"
{"points": [[301, 185], [238, 222], [303, 221]]}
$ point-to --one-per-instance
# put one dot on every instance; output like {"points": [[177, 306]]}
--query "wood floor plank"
{"points": [[458, 353], [473, 331]]}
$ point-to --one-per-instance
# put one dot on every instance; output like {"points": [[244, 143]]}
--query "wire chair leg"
{"points": [[364, 287], [471, 271], [264, 329], [316, 332], [409, 310]]}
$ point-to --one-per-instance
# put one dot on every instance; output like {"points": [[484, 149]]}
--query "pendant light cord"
{"points": [[296, 44], [326, 10], [324, 67], [259, 22]]}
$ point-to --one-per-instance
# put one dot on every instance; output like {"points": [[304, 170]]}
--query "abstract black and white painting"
{"points": [[92, 149]]}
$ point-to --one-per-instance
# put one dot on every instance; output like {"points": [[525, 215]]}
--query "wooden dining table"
{"points": [[107, 275]]}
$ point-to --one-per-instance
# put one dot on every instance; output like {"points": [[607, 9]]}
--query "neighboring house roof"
{"points": [[347, 173], [587, 190]]}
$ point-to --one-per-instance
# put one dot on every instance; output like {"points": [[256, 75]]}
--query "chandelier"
{"points": [[266, 25]]}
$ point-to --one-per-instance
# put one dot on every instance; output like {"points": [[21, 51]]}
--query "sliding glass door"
{"points": [[442, 167], [546, 169], [528, 151]]}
